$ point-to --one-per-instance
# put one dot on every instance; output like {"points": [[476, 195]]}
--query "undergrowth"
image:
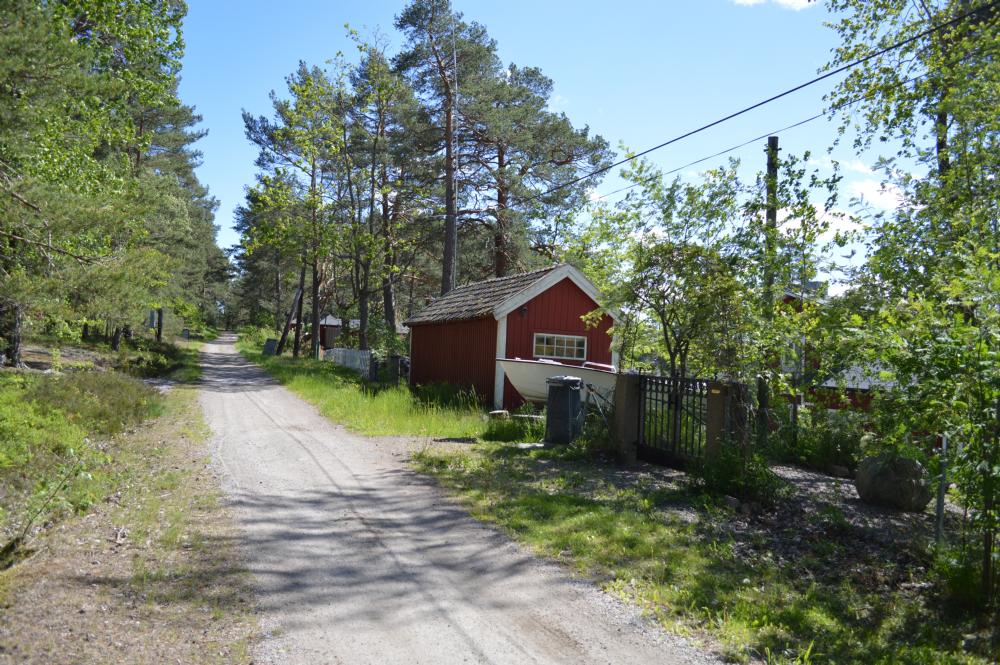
{"points": [[59, 432], [672, 550], [369, 409], [57, 443]]}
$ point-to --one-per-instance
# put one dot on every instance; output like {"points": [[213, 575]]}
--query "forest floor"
{"points": [[147, 574]]}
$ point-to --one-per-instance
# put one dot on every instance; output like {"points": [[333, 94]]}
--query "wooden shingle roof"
{"points": [[478, 299]]}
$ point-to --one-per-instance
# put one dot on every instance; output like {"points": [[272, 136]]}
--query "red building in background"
{"points": [[458, 337]]}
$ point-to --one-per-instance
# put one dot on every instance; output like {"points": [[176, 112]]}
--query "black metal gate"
{"points": [[672, 417]]}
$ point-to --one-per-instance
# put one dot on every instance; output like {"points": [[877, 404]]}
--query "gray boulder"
{"points": [[893, 481]]}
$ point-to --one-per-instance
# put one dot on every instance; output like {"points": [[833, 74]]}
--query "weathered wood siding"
{"points": [[462, 353]]}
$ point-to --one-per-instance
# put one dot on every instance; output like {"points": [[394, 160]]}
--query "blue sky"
{"points": [[636, 72]]}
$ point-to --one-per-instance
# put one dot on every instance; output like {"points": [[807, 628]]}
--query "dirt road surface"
{"points": [[356, 559]]}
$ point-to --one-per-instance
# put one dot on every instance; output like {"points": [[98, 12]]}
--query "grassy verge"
{"points": [[341, 396], [150, 574], [60, 441], [687, 562]]}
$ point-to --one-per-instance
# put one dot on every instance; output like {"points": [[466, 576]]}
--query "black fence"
{"points": [[673, 415]]}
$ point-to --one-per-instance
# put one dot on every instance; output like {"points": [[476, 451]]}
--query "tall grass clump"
{"points": [[523, 426], [342, 396], [55, 451], [255, 336]]}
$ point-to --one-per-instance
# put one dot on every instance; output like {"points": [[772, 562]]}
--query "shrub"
{"points": [[255, 336], [102, 402], [729, 473], [48, 462], [826, 437], [958, 573]]}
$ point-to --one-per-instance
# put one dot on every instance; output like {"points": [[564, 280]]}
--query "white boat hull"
{"points": [[528, 378]]}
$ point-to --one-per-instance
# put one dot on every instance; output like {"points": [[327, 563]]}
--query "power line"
{"points": [[832, 109], [773, 98], [713, 156]]}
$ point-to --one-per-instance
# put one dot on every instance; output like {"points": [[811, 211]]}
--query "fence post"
{"points": [[715, 417], [627, 401], [394, 361], [942, 490]]}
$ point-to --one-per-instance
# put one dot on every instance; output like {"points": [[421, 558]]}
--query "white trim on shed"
{"points": [[549, 280], [501, 353]]}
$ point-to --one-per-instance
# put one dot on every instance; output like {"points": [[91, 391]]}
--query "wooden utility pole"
{"points": [[770, 252]]}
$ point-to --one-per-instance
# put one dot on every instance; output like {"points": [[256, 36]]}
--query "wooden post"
{"points": [[942, 489], [626, 434], [770, 251], [715, 418]]}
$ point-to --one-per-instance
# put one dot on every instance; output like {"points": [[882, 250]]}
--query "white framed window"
{"points": [[562, 347]]}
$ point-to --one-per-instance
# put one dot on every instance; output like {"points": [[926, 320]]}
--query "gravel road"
{"points": [[356, 559]]}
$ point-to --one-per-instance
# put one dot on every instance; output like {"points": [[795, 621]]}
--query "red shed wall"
{"points": [[458, 352], [557, 310]]}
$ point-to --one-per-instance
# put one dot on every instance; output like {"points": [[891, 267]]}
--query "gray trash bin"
{"points": [[563, 411]]}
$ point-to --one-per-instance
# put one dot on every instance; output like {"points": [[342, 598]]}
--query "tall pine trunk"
{"points": [[297, 345], [449, 265], [14, 333], [389, 258], [501, 234], [277, 289], [316, 277]]}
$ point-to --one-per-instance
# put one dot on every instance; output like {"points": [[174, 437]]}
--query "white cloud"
{"points": [[558, 103], [825, 162], [858, 166], [794, 5], [875, 193]]}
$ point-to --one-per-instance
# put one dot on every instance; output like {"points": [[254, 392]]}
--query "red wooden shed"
{"points": [[458, 337]]}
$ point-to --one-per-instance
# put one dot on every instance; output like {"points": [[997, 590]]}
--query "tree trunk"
{"points": [[116, 339], [388, 274], [989, 502], [85, 332], [297, 345], [159, 324], [501, 235], [14, 334], [449, 264], [363, 342], [277, 289], [315, 309]]}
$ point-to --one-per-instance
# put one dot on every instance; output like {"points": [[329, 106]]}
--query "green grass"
{"points": [[60, 447], [638, 543], [57, 441], [341, 396]]}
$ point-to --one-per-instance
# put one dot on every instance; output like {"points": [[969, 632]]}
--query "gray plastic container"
{"points": [[563, 409]]}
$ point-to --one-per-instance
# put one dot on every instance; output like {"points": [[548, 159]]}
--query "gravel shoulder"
{"points": [[150, 575], [357, 559]]}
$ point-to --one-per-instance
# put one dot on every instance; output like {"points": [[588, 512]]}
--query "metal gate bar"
{"points": [[672, 415]]}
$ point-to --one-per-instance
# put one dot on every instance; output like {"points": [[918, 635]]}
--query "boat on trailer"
{"points": [[528, 377]]}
